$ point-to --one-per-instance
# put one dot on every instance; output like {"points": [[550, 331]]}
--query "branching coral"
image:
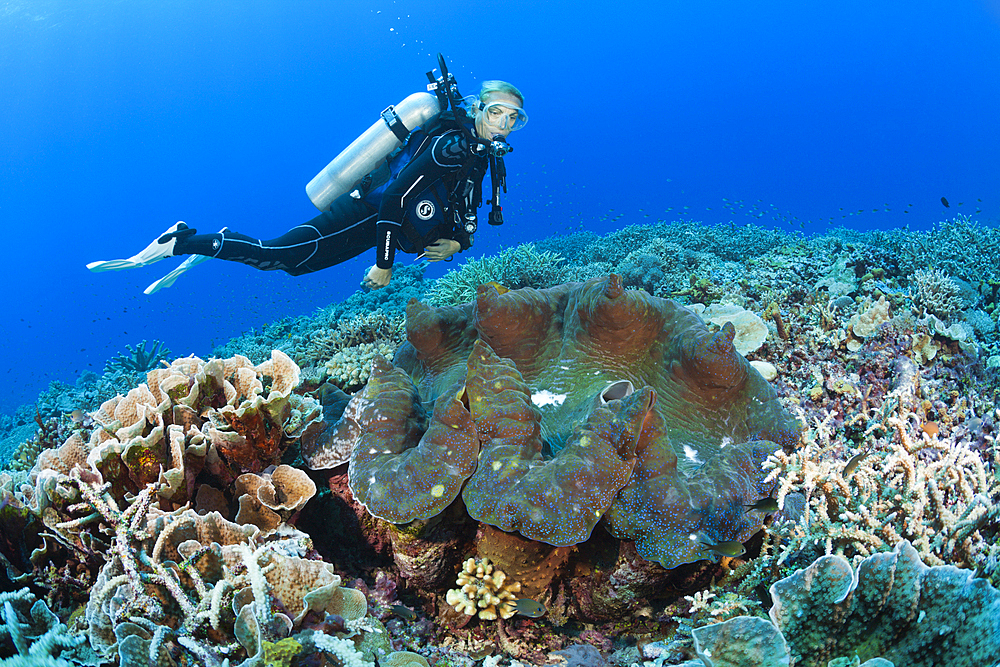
{"points": [[484, 590], [513, 268], [33, 629], [372, 329], [139, 359], [909, 485], [199, 582], [936, 292]]}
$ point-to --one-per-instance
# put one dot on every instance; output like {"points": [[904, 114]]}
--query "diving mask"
{"points": [[503, 116]]}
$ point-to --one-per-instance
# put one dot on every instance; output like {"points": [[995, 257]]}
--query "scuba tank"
{"points": [[364, 154], [345, 172]]}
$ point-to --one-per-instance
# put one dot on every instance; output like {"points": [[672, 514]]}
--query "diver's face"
{"points": [[497, 120]]}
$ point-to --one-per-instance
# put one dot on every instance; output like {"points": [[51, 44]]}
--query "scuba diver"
{"points": [[412, 182]]}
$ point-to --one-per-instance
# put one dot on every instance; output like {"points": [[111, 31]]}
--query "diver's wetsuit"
{"points": [[408, 211]]}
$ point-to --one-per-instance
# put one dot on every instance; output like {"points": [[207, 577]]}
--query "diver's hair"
{"points": [[499, 87]]}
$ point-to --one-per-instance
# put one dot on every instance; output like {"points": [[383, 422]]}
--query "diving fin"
{"points": [[161, 248], [171, 278]]}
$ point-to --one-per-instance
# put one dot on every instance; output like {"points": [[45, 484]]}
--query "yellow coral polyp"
{"points": [[280, 654], [483, 591]]}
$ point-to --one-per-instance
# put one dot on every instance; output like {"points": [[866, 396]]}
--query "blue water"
{"points": [[119, 118]]}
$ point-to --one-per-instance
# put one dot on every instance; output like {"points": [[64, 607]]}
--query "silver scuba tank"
{"points": [[365, 152]]}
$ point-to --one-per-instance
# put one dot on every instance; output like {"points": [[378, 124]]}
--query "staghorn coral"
{"points": [[908, 486], [937, 293], [139, 359], [555, 358], [513, 268], [889, 606], [925, 471], [483, 590]]}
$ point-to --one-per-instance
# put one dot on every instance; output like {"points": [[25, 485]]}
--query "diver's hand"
{"points": [[377, 278], [441, 249]]}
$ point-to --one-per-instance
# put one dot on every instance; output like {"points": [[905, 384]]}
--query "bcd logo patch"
{"points": [[425, 209]]}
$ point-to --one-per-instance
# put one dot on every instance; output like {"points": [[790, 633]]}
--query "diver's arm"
{"points": [[441, 249], [461, 237], [385, 233], [445, 155], [377, 278]]}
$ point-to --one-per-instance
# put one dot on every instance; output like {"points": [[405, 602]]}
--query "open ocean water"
{"points": [[120, 118]]}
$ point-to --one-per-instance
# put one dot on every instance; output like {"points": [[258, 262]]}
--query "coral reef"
{"points": [[523, 266], [554, 358], [483, 590], [139, 359], [889, 606], [883, 343]]}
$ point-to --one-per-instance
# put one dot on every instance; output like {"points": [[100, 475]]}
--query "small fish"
{"points": [[729, 549], [945, 202], [766, 505], [77, 416], [764, 594], [529, 608], [481, 653], [853, 463], [403, 612]]}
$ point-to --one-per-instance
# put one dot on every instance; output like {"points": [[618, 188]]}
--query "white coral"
{"points": [[482, 587]]}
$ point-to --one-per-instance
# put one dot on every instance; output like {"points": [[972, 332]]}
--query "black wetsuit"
{"points": [[415, 204]]}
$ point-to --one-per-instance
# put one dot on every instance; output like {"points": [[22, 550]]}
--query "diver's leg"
{"points": [[329, 238], [352, 234]]}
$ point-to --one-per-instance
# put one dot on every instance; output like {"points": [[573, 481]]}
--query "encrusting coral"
{"points": [[889, 606], [537, 423]]}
